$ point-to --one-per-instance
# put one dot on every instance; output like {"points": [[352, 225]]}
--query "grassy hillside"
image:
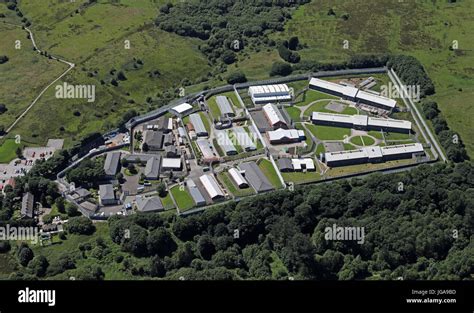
{"points": [[424, 29]]}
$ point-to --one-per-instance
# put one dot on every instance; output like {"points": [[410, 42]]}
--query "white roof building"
{"points": [[382, 101], [244, 139], [269, 93], [212, 187], [273, 114], [205, 148], [300, 164], [285, 135], [238, 178], [182, 108], [402, 149], [346, 91], [168, 163], [361, 121], [225, 143]]}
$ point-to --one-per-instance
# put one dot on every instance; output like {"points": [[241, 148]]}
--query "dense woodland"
{"points": [[227, 27], [422, 231]]}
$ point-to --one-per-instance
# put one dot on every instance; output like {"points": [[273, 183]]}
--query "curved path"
{"points": [[71, 66]]}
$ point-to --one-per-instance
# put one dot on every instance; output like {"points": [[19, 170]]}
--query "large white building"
{"points": [[361, 122], [198, 125], [224, 106], [244, 139], [372, 154], [281, 136], [352, 93], [269, 93], [238, 178], [211, 186]]}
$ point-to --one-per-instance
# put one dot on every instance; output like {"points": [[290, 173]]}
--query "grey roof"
{"points": [[152, 168], [168, 139], [154, 139], [140, 157], [195, 193], [163, 123], [81, 193], [149, 204], [285, 164], [244, 139], [198, 124], [172, 150], [255, 177], [224, 105], [225, 143], [106, 192], [27, 204], [112, 161]]}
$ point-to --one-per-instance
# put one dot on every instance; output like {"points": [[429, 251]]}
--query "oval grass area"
{"points": [[362, 141]]}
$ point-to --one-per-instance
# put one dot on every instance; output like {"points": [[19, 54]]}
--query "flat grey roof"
{"points": [[152, 168], [195, 193], [149, 204], [27, 204], [154, 138], [224, 105], [106, 192], [112, 161], [255, 177], [285, 164], [198, 124]]}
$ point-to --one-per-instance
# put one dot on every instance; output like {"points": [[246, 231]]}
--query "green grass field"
{"points": [[362, 141], [183, 199], [8, 150], [167, 201], [312, 95], [294, 113], [267, 168], [300, 177], [328, 132], [226, 180]]}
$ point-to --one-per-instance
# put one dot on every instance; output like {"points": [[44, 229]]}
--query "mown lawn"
{"points": [[267, 168], [183, 198], [300, 177], [231, 187], [328, 132], [8, 150], [294, 113]]}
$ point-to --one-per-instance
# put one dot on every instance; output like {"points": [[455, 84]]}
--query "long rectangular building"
{"points": [[281, 136], [111, 164], [254, 175], [205, 147], [211, 186], [244, 139], [352, 93], [269, 93], [361, 122], [195, 193], [274, 116], [372, 154], [224, 106], [225, 143], [198, 125], [238, 179]]}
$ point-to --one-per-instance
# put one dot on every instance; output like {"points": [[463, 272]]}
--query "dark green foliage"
{"points": [[222, 23], [25, 254], [411, 72], [287, 55], [236, 77], [39, 265], [80, 225], [450, 140], [281, 69], [88, 173]]}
